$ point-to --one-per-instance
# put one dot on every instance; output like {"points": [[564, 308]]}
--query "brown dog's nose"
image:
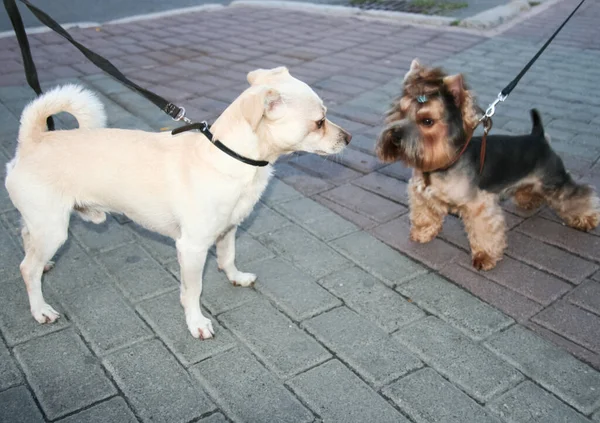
{"points": [[347, 137]]}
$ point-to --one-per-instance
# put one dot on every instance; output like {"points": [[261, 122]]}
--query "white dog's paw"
{"points": [[242, 279], [201, 327], [45, 314]]}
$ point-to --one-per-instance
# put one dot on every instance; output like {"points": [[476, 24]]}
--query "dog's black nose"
{"points": [[347, 137]]}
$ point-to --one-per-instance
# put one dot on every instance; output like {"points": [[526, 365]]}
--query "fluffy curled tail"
{"points": [[73, 99]]}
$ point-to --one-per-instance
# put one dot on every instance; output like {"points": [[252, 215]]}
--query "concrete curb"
{"points": [[496, 16], [411, 18]]}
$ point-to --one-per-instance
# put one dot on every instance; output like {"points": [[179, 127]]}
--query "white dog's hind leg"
{"points": [[226, 260], [40, 246], [26, 240], [191, 262]]}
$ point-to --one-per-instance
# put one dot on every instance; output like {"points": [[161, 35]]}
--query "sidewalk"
{"points": [[349, 321]]}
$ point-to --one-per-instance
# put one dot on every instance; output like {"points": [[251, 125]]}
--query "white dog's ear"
{"points": [[267, 102], [260, 76]]}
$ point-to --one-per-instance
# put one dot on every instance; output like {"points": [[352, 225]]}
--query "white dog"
{"points": [[180, 186]]}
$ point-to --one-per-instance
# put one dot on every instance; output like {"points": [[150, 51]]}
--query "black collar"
{"points": [[203, 127]]}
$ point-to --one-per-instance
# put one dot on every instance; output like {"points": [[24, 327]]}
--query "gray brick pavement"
{"points": [[349, 321]]}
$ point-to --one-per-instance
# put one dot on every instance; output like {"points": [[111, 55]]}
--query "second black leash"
{"points": [[511, 86], [175, 112]]}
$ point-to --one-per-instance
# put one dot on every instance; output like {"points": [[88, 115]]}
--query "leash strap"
{"points": [[171, 109], [30, 71], [174, 111], [203, 127], [502, 95], [507, 90]]}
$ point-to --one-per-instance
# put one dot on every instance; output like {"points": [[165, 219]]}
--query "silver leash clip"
{"points": [[492, 107], [181, 116]]}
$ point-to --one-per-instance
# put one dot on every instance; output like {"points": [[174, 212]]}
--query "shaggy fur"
{"points": [[180, 186], [431, 124]]}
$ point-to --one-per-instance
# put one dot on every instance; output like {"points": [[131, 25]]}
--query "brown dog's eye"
{"points": [[320, 123], [427, 122]]}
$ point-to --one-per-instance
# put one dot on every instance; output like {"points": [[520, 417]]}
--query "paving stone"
{"points": [[397, 170], [104, 318], [455, 306], [103, 237], [214, 418], [263, 220], [587, 296], [136, 273], [295, 293], [9, 373], [512, 303], [18, 407], [157, 387], [526, 280], [278, 192], [248, 250], [475, 370], [63, 373], [304, 251], [305, 183], [385, 186], [426, 397], [378, 259], [356, 218], [316, 219], [285, 349], [580, 243], [549, 258], [358, 160], [596, 416], [246, 391], [161, 248], [369, 350], [337, 395], [16, 322], [218, 294], [370, 298], [166, 317], [396, 234], [327, 170], [111, 411], [553, 368], [10, 256], [573, 323], [365, 203]]}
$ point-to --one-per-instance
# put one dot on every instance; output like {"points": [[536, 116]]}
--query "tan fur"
{"points": [[180, 186]]}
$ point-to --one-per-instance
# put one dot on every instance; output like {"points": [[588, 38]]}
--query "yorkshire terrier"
{"points": [[430, 129]]}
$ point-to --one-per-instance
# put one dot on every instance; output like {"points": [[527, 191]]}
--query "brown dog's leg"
{"points": [[576, 204], [426, 214], [486, 229], [528, 198]]}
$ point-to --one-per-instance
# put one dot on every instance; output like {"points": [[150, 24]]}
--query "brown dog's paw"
{"points": [[422, 235], [586, 223], [483, 261]]}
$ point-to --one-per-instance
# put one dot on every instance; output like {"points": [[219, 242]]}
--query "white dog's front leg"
{"points": [[226, 260], [191, 262]]}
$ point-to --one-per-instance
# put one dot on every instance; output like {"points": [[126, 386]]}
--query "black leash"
{"points": [[175, 112], [511, 86], [203, 127]]}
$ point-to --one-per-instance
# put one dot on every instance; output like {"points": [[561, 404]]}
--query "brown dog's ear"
{"points": [[266, 102], [415, 65], [260, 76], [455, 84]]}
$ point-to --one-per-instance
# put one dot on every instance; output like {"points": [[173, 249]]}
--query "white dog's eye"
{"points": [[320, 123]]}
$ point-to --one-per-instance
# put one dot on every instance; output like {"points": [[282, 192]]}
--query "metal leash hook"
{"points": [[181, 116], [492, 107]]}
